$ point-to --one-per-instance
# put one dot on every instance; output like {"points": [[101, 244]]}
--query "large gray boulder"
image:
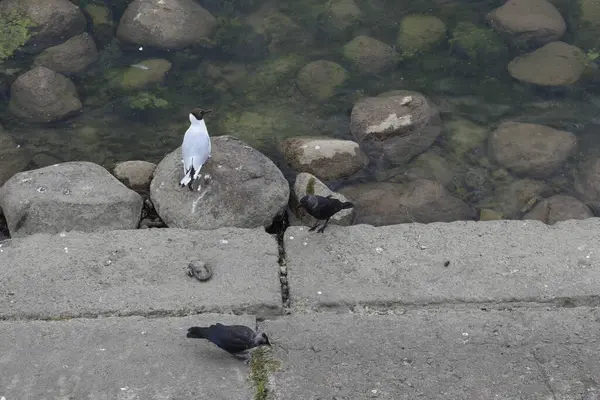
{"points": [[55, 20], [246, 189], [395, 126], [72, 196], [169, 25], [70, 57], [42, 95]]}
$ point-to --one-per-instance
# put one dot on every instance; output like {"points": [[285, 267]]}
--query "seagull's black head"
{"points": [[199, 113]]}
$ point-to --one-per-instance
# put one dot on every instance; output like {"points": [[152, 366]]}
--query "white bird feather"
{"points": [[195, 149]]}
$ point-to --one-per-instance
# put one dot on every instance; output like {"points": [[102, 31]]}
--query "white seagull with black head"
{"points": [[196, 147]]}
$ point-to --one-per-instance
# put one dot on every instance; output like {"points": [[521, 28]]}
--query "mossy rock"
{"points": [[463, 135], [272, 77], [419, 33], [144, 74], [369, 55], [15, 30], [319, 80], [282, 32], [340, 18], [477, 42]]}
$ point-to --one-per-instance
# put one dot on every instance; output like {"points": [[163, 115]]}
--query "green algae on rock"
{"points": [[15, 30], [319, 79], [419, 33], [144, 74]]}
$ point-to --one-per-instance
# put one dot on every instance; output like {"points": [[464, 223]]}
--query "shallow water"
{"points": [[250, 83]]}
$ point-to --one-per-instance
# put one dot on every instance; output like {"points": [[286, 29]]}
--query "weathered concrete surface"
{"points": [[119, 358], [139, 272], [438, 354], [496, 261]]}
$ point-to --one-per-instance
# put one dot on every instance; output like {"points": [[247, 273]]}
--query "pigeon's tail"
{"points": [[197, 332], [347, 204]]}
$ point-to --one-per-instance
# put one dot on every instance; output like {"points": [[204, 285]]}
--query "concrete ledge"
{"points": [[119, 358], [139, 272], [446, 354], [497, 261]]}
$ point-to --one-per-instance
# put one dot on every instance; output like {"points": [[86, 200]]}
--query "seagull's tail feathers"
{"points": [[187, 178], [197, 332]]}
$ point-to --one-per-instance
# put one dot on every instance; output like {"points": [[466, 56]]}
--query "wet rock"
{"points": [[555, 64], [395, 126], [283, 33], [79, 196], [463, 135], [528, 23], [326, 158], [419, 33], [136, 175], [370, 55], [319, 80], [144, 73], [533, 150], [70, 57], [42, 95], [309, 184], [513, 199], [559, 208], [246, 189], [340, 18], [13, 158], [102, 23], [489, 215], [429, 166], [422, 201], [168, 25], [56, 21]]}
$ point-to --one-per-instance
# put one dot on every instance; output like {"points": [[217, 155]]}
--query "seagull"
{"points": [[322, 208], [234, 339], [196, 148]]}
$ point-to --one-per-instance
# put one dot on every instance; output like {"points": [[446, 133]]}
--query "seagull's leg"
{"points": [[323, 227], [315, 227]]}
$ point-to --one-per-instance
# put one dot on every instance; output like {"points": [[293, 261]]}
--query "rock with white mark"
{"points": [[395, 126], [72, 196], [326, 158]]}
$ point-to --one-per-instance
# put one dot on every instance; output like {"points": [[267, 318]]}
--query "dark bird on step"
{"points": [[234, 339], [322, 208]]}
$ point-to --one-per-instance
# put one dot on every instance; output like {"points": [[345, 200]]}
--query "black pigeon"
{"points": [[234, 339], [322, 208]]}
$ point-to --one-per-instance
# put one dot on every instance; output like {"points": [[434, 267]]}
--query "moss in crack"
{"points": [[261, 365], [310, 186]]}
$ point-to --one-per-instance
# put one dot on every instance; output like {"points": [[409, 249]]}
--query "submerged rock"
{"points": [[319, 80], [422, 201], [79, 196], [42, 95], [419, 33], [369, 55], [327, 158], [245, 190], [559, 208], [340, 18], [528, 23], [533, 150], [555, 64], [514, 198], [587, 182], [395, 126], [70, 57], [144, 73], [309, 184], [13, 158], [169, 25]]}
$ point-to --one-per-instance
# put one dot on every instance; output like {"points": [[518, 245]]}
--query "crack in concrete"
{"points": [[545, 376]]}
